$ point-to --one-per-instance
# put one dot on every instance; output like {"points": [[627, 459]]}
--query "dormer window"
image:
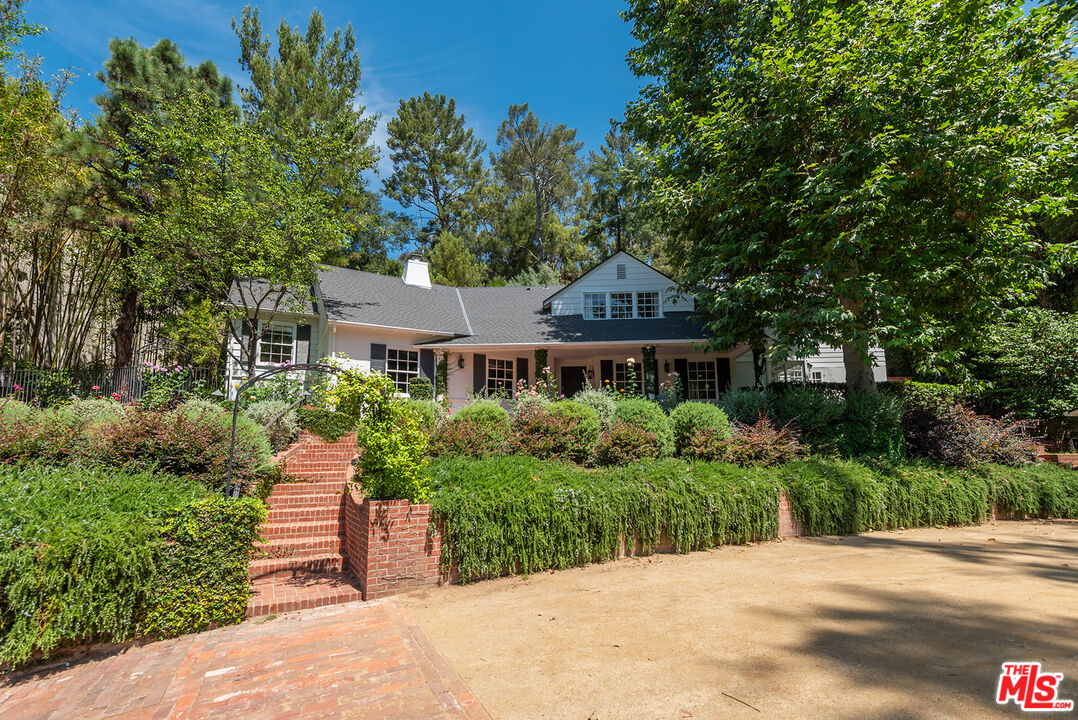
{"points": [[647, 304], [595, 306], [621, 305]]}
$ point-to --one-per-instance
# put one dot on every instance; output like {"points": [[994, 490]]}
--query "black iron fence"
{"points": [[52, 387]]}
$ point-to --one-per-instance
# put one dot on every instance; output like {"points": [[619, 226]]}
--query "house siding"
{"points": [[638, 276]]}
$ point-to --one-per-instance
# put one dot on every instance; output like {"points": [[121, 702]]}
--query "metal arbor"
{"points": [[234, 492]]}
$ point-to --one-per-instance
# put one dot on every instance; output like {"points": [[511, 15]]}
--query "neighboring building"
{"points": [[489, 336]]}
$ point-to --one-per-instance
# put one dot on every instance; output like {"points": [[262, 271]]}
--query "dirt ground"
{"points": [[904, 624]]}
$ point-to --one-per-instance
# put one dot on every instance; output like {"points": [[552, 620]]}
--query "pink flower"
{"points": [[179, 368], [116, 396], [95, 388], [16, 387]]}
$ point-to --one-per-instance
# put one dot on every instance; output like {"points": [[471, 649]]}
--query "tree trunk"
{"points": [[539, 225], [759, 366], [123, 334], [858, 369]]}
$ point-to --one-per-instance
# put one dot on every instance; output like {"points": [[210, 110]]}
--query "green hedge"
{"points": [[326, 424], [516, 514], [89, 554]]}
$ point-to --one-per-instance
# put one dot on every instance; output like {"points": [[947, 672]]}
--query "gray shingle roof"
{"points": [[514, 315], [363, 297], [297, 301]]}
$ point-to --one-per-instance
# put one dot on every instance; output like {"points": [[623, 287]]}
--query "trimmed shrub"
{"points": [[280, 434], [420, 388], [925, 396], [326, 424], [871, 426], [88, 554], [647, 415], [565, 430], [431, 414], [815, 411], [476, 430], [88, 412], [623, 443], [523, 515], [690, 418], [192, 445], [601, 401], [743, 406]]}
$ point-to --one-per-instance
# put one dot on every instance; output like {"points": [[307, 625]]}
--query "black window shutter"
{"points": [[681, 367], [479, 373], [606, 372], [722, 370], [378, 357], [522, 369], [426, 365], [303, 343]]}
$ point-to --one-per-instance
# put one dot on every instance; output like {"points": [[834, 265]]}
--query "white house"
{"points": [[489, 336]]}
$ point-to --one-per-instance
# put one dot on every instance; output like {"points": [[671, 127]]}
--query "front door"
{"points": [[573, 379]]}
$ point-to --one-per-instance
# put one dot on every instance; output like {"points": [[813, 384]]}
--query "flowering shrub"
{"points": [[624, 443], [649, 416], [691, 418], [670, 390], [565, 430], [545, 387]]}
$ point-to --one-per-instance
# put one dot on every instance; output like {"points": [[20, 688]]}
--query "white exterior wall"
{"points": [[354, 341], [604, 278]]}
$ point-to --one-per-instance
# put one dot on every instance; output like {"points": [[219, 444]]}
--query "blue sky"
{"points": [[567, 59]]}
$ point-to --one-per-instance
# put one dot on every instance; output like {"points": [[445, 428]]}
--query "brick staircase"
{"points": [[300, 563]]}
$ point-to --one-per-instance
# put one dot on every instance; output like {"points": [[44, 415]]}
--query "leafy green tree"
{"points": [[856, 174], [453, 261], [308, 88], [1030, 363], [234, 212], [13, 27], [437, 162], [137, 81], [617, 216], [540, 162], [536, 276]]}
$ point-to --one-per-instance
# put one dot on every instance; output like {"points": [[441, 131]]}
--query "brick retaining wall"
{"points": [[789, 526], [389, 547]]}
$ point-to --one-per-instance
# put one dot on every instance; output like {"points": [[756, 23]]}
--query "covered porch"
{"points": [[497, 369]]}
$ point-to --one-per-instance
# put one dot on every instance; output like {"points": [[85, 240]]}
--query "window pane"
{"points": [[647, 305], [621, 377], [595, 306], [621, 305], [702, 383], [276, 344], [402, 366], [499, 376]]}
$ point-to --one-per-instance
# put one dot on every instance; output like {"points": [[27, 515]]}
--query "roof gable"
{"points": [[639, 266]]}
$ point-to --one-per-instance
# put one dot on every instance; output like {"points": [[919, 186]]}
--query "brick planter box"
{"points": [[389, 547]]}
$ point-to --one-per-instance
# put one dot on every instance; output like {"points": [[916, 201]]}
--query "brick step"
{"points": [[308, 488], [291, 513], [271, 531], [285, 567], [298, 501], [298, 547], [276, 595], [320, 476]]}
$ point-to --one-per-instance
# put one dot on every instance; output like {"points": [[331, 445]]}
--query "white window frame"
{"points": [[658, 304], [693, 391], [607, 307], [406, 372], [621, 376], [497, 377], [626, 301], [264, 330]]}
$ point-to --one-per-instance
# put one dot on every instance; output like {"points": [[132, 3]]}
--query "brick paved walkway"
{"points": [[358, 660]]}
